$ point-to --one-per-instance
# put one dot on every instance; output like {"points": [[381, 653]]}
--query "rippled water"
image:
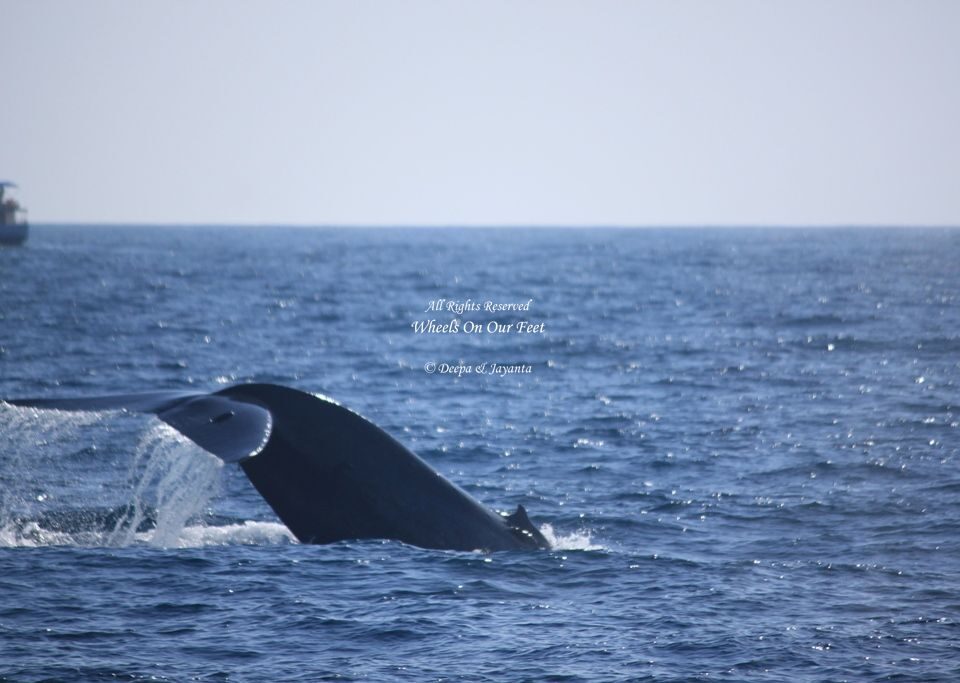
{"points": [[744, 444]]}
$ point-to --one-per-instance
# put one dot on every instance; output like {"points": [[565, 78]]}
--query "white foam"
{"points": [[577, 540], [245, 533], [196, 536]]}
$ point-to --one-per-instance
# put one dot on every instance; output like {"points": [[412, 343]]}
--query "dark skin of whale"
{"points": [[328, 473]]}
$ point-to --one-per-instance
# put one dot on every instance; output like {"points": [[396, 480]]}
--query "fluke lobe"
{"points": [[327, 472]]}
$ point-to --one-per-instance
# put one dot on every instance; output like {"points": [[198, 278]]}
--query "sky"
{"points": [[483, 113]]}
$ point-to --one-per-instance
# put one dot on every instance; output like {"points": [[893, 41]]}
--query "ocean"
{"points": [[742, 443]]}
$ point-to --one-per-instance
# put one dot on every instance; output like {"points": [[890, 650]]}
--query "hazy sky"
{"points": [[453, 112]]}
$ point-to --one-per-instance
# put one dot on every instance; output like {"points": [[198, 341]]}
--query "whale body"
{"points": [[328, 473]]}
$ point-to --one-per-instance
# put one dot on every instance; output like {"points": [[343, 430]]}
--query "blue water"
{"points": [[744, 444]]}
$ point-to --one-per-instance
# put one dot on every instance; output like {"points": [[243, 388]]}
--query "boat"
{"points": [[13, 230]]}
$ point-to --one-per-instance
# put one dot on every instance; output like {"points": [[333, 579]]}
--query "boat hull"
{"points": [[13, 234]]}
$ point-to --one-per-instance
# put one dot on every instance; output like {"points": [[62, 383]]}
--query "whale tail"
{"points": [[230, 429], [327, 472]]}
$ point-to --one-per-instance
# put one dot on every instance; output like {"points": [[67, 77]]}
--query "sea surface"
{"points": [[743, 444]]}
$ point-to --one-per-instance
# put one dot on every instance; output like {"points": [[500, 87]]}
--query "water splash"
{"points": [[577, 540], [32, 535], [172, 476], [40, 447], [44, 425], [57, 487]]}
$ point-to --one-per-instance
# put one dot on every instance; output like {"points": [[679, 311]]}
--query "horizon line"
{"points": [[505, 226]]}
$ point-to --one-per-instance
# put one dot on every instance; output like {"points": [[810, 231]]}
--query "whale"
{"points": [[327, 472]]}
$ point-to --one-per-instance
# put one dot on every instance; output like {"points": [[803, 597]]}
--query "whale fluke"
{"points": [[327, 472]]}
